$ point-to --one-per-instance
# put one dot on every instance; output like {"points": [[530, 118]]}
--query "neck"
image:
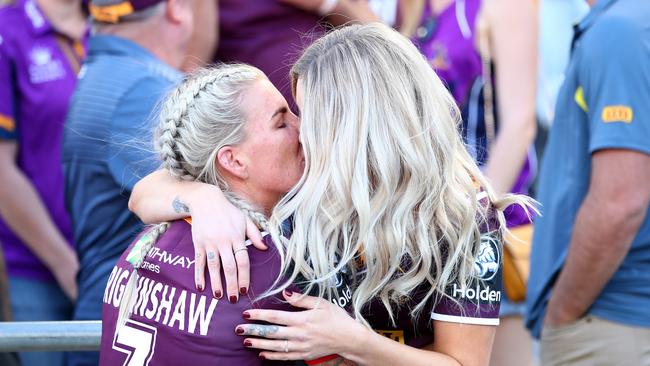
{"points": [[150, 38], [263, 200], [65, 15], [164, 52]]}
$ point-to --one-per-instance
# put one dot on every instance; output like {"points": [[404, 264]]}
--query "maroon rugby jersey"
{"points": [[476, 304], [172, 322]]}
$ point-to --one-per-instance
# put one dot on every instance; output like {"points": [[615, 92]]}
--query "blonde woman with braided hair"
{"points": [[151, 305], [391, 197]]}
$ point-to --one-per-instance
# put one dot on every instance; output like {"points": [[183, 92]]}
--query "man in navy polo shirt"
{"points": [[133, 61], [589, 287]]}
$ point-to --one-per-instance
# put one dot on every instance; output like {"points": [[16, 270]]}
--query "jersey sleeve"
{"points": [[615, 83], [7, 89], [131, 150], [479, 302]]}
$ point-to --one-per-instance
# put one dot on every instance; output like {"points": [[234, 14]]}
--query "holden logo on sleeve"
{"points": [[486, 264], [43, 67]]}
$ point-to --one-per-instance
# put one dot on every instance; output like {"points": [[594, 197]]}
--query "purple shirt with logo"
{"points": [[172, 322], [477, 303], [266, 34], [38, 69]]}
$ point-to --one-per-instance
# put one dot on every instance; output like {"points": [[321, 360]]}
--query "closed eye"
{"points": [[280, 111]]}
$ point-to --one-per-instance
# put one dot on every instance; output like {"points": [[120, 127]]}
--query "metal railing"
{"points": [[50, 336]]}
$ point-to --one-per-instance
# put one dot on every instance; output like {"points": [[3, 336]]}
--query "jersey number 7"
{"points": [[137, 340]]}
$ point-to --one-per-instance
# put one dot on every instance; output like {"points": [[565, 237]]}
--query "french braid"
{"points": [[175, 113], [252, 212]]}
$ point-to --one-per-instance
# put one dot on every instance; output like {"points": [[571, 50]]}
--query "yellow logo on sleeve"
{"points": [[617, 113], [579, 97]]}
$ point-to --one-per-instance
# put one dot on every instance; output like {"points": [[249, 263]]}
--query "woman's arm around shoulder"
{"points": [[218, 227]]}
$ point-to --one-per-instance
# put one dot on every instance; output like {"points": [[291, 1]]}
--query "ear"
{"points": [[230, 160], [176, 10]]}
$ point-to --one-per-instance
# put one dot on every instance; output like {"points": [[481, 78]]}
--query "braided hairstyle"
{"points": [[202, 115]]}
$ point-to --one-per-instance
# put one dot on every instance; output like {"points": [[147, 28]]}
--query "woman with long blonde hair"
{"points": [[389, 196]]}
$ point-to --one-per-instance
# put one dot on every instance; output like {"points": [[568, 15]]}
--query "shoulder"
{"points": [[617, 34], [138, 106], [486, 217], [146, 87]]}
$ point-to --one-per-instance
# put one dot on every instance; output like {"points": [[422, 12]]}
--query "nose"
{"points": [[294, 121]]}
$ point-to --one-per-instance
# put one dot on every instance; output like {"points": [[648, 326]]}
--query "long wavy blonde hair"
{"points": [[388, 181]]}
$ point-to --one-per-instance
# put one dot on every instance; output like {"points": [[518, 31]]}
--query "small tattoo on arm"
{"points": [[263, 330], [179, 206]]}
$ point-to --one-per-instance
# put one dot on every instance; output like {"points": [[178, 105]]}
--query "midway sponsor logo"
{"points": [[164, 257]]}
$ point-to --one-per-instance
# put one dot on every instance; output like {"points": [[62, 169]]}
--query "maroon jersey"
{"points": [[477, 303], [172, 322]]}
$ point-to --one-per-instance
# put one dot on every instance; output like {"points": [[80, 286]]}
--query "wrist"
{"points": [[558, 314], [361, 338], [201, 195]]}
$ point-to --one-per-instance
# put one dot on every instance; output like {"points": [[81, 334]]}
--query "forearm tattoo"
{"points": [[179, 206], [262, 330]]}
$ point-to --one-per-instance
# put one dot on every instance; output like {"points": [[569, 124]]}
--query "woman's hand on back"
{"points": [[322, 329], [218, 227], [219, 230]]}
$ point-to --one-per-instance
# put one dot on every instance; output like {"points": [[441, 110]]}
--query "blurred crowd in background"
{"points": [[81, 81]]}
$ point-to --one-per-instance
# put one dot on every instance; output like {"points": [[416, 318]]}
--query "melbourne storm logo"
{"points": [[486, 264]]}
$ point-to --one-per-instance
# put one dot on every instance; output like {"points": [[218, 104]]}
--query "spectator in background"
{"points": [[448, 33], [205, 37], [589, 288], [270, 34], [133, 60], [42, 44]]}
